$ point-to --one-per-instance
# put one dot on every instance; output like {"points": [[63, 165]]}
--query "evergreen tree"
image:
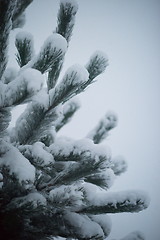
{"points": [[52, 187]]}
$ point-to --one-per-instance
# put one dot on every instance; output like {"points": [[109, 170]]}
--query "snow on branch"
{"points": [[16, 164], [83, 227], [104, 221], [70, 196], [97, 64], [52, 51], [18, 18], [100, 132], [24, 45], [70, 85], [115, 202], [30, 119], [24, 86]]}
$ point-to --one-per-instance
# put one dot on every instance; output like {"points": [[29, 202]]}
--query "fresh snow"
{"points": [[17, 164], [40, 154], [65, 146], [22, 35], [33, 78], [104, 221], [104, 198], [65, 193], [84, 226], [55, 41], [76, 74]]}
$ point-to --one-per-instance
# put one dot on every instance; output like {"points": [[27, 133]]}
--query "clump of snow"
{"points": [[42, 98], [70, 3], [104, 221], [17, 164], [40, 154], [9, 75], [56, 42], [33, 78], [22, 35], [65, 147], [76, 74], [103, 198], [84, 226]]}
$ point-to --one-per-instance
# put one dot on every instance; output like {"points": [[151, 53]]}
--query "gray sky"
{"points": [[128, 31]]}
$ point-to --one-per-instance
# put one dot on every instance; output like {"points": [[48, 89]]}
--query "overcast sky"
{"points": [[128, 31]]}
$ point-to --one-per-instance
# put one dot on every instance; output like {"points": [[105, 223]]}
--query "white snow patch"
{"points": [[84, 226], [55, 41], [33, 78], [22, 35], [65, 146], [40, 154], [104, 221], [17, 164], [103, 198], [76, 74]]}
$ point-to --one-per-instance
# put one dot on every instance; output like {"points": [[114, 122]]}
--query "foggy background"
{"points": [[129, 32]]}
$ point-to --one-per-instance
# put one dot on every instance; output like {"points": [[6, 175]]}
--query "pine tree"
{"points": [[52, 187]]}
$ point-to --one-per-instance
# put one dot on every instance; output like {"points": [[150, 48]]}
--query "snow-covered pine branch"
{"points": [[25, 85], [54, 187], [18, 18], [65, 24], [114, 202], [100, 132], [69, 109]]}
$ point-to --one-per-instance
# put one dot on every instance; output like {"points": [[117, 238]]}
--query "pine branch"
{"points": [[54, 73], [103, 179], [69, 110], [96, 65], [66, 18], [129, 201], [24, 45], [100, 132], [52, 51], [65, 24], [70, 85], [6, 12], [18, 15]]}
